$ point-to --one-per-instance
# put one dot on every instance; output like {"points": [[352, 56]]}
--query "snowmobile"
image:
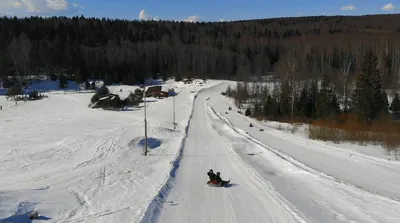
{"points": [[216, 184]]}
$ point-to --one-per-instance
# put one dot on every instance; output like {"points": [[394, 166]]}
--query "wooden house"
{"points": [[156, 91]]}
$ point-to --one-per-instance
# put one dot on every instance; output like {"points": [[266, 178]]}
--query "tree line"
{"points": [[122, 51], [313, 99]]}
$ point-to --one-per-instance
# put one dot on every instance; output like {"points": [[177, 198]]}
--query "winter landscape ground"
{"points": [[76, 164]]}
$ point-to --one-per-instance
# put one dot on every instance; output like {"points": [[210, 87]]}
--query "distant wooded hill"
{"points": [[126, 51]]}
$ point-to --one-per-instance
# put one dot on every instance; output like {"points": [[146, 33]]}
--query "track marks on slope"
{"points": [[363, 204], [259, 181], [103, 150], [293, 161]]}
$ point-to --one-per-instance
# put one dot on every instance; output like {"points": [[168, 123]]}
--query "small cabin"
{"points": [[156, 91]]}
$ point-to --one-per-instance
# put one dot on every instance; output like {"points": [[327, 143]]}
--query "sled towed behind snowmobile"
{"points": [[211, 184]]}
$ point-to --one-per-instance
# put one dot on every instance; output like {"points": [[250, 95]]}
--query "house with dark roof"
{"points": [[156, 91]]}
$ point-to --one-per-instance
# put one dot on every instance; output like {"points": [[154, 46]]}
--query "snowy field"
{"points": [[76, 164]]}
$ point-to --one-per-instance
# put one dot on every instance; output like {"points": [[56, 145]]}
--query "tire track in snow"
{"points": [[348, 191]]}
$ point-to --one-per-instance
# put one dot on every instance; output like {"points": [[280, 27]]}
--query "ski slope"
{"points": [[268, 186], [191, 200], [370, 173]]}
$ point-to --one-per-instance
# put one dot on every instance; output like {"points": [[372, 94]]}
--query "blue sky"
{"points": [[190, 10]]}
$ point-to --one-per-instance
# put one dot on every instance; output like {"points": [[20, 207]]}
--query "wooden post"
{"points": [[173, 111], [145, 120]]}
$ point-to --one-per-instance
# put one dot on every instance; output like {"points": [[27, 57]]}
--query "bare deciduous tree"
{"points": [[346, 62], [290, 67]]}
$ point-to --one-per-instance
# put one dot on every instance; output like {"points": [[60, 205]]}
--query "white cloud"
{"points": [[57, 4], [348, 8], [222, 20], [388, 7], [192, 18], [144, 16], [35, 7]]}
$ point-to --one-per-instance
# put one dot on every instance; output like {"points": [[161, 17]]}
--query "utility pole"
{"points": [[173, 111], [145, 120]]}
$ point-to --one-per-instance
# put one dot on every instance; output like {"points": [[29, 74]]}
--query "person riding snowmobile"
{"points": [[219, 180], [212, 176]]}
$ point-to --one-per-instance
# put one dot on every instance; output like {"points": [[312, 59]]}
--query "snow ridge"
{"points": [[297, 163], [156, 204]]}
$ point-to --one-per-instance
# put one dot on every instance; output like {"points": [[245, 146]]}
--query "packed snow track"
{"points": [[266, 186], [248, 199]]}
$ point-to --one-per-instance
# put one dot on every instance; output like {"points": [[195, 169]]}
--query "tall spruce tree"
{"points": [[312, 99], [327, 105], [395, 105], [284, 99], [302, 104], [368, 96], [270, 107]]}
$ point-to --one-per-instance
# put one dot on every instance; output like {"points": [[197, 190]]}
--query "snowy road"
{"points": [[269, 186], [191, 200]]}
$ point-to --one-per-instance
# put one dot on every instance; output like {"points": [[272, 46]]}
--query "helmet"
{"points": [[218, 173], [211, 170]]}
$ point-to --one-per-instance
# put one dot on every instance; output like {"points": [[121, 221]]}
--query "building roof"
{"points": [[154, 88]]}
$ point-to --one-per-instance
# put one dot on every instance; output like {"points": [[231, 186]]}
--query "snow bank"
{"points": [[156, 204]]}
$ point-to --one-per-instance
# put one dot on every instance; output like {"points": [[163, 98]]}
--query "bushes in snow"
{"points": [[104, 99], [7, 83], [16, 89], [383, 132], [135, 97]]}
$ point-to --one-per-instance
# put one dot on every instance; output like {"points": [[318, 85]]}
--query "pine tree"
{"points": [[284, 99], [270, 107], [395, 105], [327, 105], [78, 77], [87, 85], [302, 105], [115, 77], [63, 82], [108, 79], [312, 99], [368, 97]]}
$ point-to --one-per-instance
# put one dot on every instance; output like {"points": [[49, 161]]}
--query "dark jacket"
{"points": [[218, 178], [211, 176]]}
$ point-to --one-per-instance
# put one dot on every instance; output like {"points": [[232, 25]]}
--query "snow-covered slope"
{"points": [[370, 173], [268, 185], [76, 164], [191, 200]]}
